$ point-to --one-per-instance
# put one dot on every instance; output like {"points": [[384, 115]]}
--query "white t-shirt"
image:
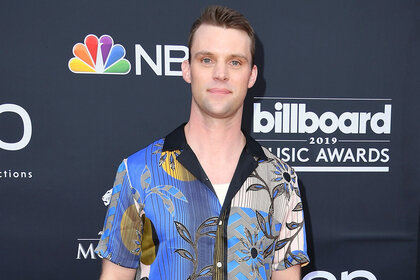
{"points": [[221, 191]]}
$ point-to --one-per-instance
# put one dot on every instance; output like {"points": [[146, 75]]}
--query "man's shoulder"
{"points": [[146, 154], [152, 153], [273, 159], [264, 156]]}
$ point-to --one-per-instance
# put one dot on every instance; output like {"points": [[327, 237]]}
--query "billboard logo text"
{"points": [[294, 118]]}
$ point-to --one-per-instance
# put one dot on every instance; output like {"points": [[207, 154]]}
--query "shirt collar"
{"points": [[176, 141]]}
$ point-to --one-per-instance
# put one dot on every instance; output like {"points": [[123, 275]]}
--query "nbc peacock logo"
{"points": [[99, 56]]}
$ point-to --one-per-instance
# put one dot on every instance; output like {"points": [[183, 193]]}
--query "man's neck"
{"points": [[217, 145]]}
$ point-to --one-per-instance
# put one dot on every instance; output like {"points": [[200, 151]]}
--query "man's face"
{"points": [[219, 71]]}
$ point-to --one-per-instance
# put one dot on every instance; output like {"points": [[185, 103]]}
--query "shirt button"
{"points": [[220, 222], [219, 264]]}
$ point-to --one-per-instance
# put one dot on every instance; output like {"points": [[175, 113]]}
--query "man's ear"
{"points": [[186, 73], [253, 76]]}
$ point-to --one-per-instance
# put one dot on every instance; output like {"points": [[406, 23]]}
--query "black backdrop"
{"points": [[350, 65]]}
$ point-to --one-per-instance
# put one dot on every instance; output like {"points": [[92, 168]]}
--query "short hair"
{"points": [[224, 17]]}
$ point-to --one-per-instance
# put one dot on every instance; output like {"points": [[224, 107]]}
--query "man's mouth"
{"points": [[219, 90]]}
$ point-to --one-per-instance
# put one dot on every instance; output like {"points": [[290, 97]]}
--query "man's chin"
{"points": [[222, 113]]}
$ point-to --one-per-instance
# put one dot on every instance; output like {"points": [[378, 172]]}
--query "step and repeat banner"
{"points": [[84, 84]]}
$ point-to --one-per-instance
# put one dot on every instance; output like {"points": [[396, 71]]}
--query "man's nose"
{"points": [[220, 71]]}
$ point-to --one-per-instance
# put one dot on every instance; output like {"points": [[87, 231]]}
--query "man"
{"points": [[207, 201]]}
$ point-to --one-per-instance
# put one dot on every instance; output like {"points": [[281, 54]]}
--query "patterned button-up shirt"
{"points": [[165, 219]]}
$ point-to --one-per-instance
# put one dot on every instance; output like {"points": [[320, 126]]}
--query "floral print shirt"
{"points": [[165, 220]]}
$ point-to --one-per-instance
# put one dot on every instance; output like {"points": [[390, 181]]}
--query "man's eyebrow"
{"points": [[241, 56], [201, 53]]}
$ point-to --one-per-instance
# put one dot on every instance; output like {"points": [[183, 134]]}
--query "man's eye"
{"points": [[235, 63], [206, 60]]}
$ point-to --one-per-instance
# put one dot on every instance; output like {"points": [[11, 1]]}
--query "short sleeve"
{"points": [[121, 238], [291, 247]]}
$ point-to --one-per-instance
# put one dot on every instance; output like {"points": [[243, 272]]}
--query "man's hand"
{"points": [[111, 271], [291, 273]]}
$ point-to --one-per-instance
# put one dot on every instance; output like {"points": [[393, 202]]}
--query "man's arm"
{"points": [[111, 271], [291, 273]]}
